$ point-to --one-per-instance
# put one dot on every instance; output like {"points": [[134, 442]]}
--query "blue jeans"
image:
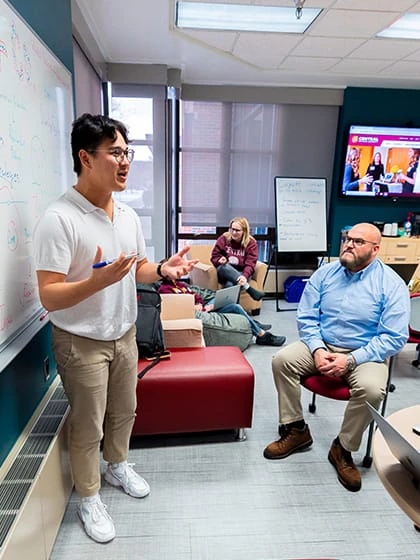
{"points": [[228, 275], [238, 309]]}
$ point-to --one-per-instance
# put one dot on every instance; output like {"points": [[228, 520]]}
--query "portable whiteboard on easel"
{"points": [[301, 216], [36, 112]]}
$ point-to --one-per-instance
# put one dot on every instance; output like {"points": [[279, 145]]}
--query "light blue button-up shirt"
{"points": [[366, 311]]}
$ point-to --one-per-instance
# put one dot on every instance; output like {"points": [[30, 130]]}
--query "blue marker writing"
{"points": [[105, 263]]}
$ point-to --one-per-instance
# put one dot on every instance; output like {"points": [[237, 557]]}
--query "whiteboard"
{"points": [[36, 112], [301, 214]]}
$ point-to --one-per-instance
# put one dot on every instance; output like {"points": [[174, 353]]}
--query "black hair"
{"points": [[89, 131]]}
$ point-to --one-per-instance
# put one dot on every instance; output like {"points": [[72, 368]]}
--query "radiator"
{"points": [[30, 512]]}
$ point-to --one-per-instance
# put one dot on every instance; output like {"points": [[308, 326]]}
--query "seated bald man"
{"points": [[352, 316]]}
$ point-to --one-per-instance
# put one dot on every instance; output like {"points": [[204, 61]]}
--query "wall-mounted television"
{"points": [[381, 162]]}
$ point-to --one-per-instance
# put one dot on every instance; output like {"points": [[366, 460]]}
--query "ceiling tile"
{"points": [[223, 40], [307, 64], [265, 50], [319, 46], [414, 56], [374, 5], [359, 66], [348, 23], [385, 49], [403, 68]]}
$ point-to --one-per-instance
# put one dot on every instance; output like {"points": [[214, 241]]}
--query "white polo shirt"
{"points": [[66, 240]]}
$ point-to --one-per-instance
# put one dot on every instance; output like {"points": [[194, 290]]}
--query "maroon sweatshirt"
{"points": [[244, 259], [178, 287]]}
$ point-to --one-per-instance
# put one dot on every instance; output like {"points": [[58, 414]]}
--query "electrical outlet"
{"points": [[46, 368]]}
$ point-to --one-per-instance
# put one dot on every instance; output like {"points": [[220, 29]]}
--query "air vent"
{"points": [[6, 522], [47, 425], [56, 408], [12, 495], [25, 468], [36, 445]]}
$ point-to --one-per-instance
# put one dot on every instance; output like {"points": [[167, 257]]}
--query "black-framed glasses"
{"points": [[119, 154], [357, 241]]}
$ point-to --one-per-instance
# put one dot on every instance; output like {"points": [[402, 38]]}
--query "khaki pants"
{"points": [[100, 379], [367, 383]]}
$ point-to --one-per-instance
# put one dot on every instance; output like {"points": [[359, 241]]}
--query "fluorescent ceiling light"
{"points": [[407, 27], [238, 17]]}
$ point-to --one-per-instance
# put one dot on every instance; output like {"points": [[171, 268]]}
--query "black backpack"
{"points": [[149, 336]]}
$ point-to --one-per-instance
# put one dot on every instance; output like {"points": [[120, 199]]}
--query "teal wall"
{"points": [[370, 106], [22, 387], [51, 21], [22, 384]]}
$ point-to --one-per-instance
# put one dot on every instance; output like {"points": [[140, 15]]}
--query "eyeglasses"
{"points": [[119, 154], [357, 241], [234, 230]]}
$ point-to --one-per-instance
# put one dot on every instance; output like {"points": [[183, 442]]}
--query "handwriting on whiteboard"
{"points": [[301, 214], [36, 111]]}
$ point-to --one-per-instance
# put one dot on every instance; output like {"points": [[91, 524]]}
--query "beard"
{"points": [[351, 261]]}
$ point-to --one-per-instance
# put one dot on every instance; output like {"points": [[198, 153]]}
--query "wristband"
{"points": [[159, 268]]}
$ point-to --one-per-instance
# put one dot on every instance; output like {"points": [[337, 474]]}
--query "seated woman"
{"points": [[235, 256], [260, 331], [352, 180]]}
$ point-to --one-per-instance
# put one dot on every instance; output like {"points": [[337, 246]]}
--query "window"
{"points": [[142, 110], [228, 150], [230, 153], [137, 115]]}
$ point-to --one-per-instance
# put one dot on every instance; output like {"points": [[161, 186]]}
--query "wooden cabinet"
{"points": [[400, 250], [402, 254]]}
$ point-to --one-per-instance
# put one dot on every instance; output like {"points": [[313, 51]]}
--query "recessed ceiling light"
{"points": [[407, 27], [239, 17]]}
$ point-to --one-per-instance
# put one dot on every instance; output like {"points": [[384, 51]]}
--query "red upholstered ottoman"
{"points": [[197, 389]]}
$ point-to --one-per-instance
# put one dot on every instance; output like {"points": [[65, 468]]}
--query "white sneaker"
{"points": [[121, 474], [96, 520]]}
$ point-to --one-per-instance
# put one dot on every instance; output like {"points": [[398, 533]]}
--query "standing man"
{"points": [[353, 315], [93, 310]]}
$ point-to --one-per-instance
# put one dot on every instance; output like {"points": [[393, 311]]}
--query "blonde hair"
{"points": [[246, 236], [351, 152]]}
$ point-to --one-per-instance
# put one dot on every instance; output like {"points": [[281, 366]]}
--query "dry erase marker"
{"points": [[105, 263], [43, 315]]}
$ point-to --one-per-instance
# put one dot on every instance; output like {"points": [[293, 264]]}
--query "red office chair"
{"points": [[337, 388], [414, 325]]}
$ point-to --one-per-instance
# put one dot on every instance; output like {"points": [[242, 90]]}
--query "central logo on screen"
{"points": [[368, 139]]}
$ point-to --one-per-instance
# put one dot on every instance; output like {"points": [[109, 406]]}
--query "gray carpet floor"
{"points": [[214, 498]]}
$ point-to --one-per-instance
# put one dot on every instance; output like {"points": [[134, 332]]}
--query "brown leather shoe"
{"points": [[348, 474], [292, 441]]}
